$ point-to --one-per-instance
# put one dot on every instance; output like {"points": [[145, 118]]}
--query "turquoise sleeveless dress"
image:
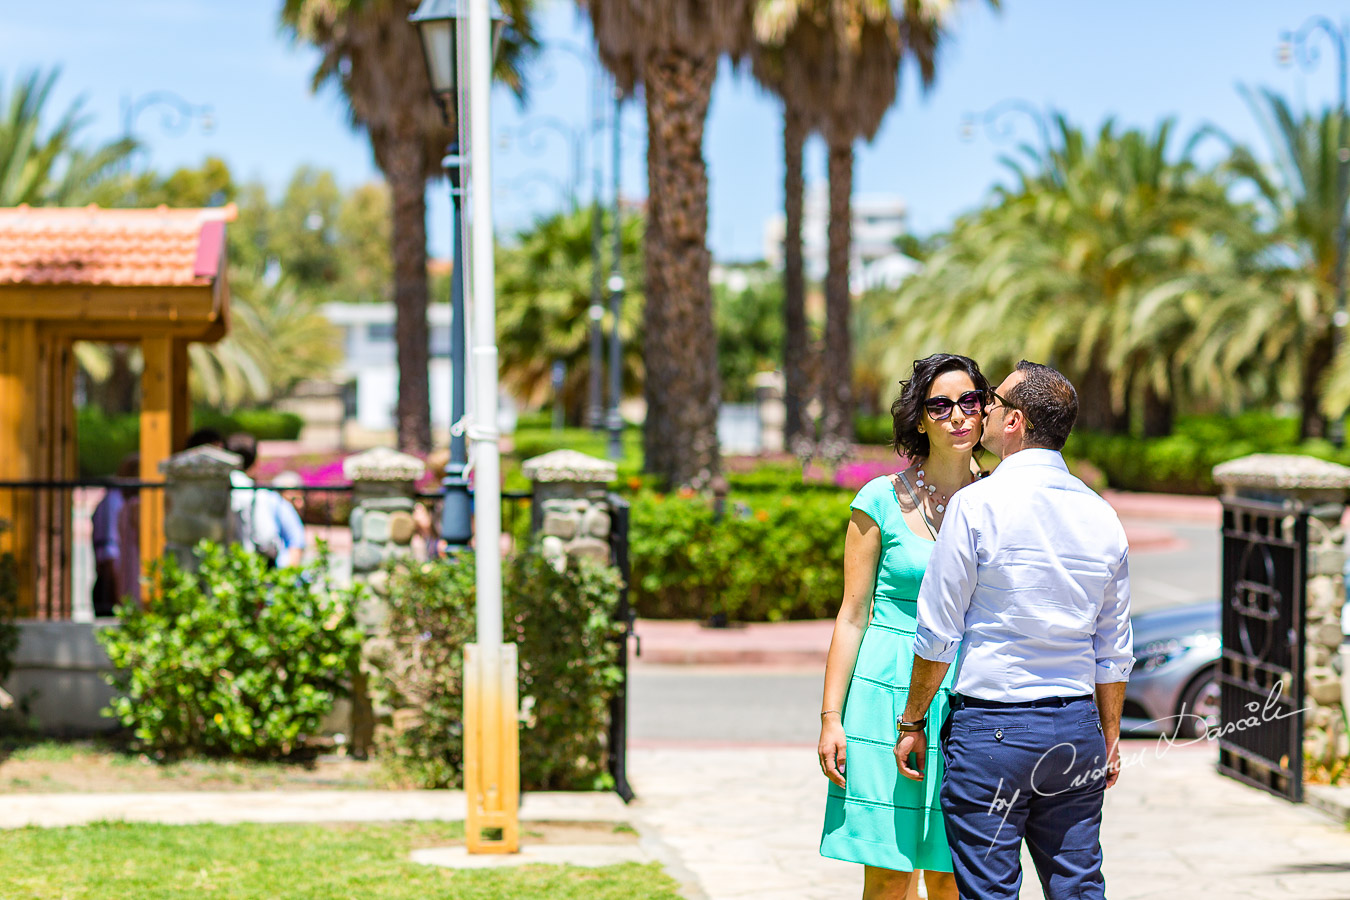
{"points": [[881, 818]]}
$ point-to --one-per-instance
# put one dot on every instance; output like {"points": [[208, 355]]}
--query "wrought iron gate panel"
{"points": [[1265, 548]]}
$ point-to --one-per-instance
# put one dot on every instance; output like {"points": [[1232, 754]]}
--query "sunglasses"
{"points": [[940, 408]]}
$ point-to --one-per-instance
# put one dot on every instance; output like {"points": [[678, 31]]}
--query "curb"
{"points": [[1333, 801]]}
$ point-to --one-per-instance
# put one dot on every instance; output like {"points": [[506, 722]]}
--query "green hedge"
{"points": [[1183, 462], [234, 659], [772, 556], [563, 624], [104, 440]]}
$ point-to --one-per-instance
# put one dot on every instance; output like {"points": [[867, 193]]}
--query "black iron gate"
{"points": [[618, 706], [1265, 547]]}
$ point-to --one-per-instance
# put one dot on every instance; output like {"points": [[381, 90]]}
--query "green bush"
{"points": [[103, 439], [563, 624], [772, 556], [878, 429], [235, 659], [1183, 462]]}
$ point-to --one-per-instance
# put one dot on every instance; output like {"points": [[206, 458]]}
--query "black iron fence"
{"points": [[618, 706], [1261, 672]]}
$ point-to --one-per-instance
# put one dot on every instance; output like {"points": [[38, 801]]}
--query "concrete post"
{"points": [[384, 486], [1321, 488], [569, 512], [197, 500]]}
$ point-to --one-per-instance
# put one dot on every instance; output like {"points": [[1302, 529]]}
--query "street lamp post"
{"points": [[616, 286], [1297, 46], [491, 734]]}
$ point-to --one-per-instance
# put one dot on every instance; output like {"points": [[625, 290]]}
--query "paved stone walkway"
{"points": [[745, 823]]}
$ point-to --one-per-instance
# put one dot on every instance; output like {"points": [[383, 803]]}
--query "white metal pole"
{"points": [[487, 457]]}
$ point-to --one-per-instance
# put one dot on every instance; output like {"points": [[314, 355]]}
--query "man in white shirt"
{"points": [[1029, 585]]}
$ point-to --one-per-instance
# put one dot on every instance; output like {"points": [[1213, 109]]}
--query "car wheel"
{"points": [[1200, 701]]}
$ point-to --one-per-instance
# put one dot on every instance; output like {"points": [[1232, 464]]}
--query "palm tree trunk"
{"points": [[1159, 412], [837, 392], [404, 167], [795, 347], [1096, 412], [682, 385], [1312, 423]]}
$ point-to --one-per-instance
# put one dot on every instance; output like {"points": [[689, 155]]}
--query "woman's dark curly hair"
{"points": [[907, 410]]}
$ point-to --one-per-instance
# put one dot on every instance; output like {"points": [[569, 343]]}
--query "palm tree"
{"points": [[1304, 197], [836, 64], [51, 168], [1106, 258], [671, 48], [371, 52], [543, 291]]}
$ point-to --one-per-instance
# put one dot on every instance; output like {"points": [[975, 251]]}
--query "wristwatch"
{"points": [[902, 726]]}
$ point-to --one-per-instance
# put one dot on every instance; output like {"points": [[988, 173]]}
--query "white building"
{"points": [[879, 220], [370, 362]]}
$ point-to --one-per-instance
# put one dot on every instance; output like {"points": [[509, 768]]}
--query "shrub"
{"points": [[103, 439], [771, 556], [563, 624], [233, 659], [1183, 462]]}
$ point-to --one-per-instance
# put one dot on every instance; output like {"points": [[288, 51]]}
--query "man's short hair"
{"points": [[1049, 402], [205, 437], [246, 445]]}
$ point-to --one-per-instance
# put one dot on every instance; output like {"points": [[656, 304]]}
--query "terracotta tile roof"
{"points": [[125, 247]]}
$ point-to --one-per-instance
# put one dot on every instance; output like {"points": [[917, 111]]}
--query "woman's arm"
{"points": [[862, 549]]}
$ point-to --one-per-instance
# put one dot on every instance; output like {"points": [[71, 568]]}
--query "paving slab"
{"points": [[745, 822]]}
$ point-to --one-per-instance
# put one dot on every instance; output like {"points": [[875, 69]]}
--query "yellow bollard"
{"points": [[491, 749]]}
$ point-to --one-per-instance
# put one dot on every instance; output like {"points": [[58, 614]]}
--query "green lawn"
{"points": [[114, 861]]}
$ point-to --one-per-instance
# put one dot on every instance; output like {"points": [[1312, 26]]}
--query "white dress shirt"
{"points": [[1030, 582]]}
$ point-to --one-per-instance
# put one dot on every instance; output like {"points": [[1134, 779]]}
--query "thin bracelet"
{"points": [[828, 711]]}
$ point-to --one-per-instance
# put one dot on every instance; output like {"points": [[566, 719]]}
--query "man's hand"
{"points": [[915, 742], [1113, 761]]}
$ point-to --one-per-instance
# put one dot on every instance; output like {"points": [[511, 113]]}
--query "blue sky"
{"points": [[1137, 61]]}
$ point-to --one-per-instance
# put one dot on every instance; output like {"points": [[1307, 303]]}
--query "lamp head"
{"points": [[438, 22]]}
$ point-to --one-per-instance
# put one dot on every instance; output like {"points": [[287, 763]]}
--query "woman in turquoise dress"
{"points": [[873, 815]]}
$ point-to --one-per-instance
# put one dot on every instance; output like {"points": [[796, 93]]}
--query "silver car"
{"points": [[1173, 689]]}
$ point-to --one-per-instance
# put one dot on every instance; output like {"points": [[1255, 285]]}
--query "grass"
{"points": [[28, 765], [118, 861]]}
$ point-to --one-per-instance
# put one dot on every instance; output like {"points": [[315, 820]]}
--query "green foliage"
{"points": [[878, 429], [563, 624], [544, 284], [749, 331], [44, 164], [772, 556], [104, 439], [1182, 463], [235, 659]]}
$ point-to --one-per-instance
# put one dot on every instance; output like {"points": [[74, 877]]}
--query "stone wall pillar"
{"points": [[1321, 488], [569, 512], [769, 390], [384, 489], [197, 500]]}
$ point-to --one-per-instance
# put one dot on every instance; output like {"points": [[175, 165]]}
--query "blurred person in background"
{"points": [[264, 522], [107, 541]]}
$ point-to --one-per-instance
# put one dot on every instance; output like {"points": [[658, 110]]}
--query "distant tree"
{"points": [[749, 333], [543, 294], [372, 53]]}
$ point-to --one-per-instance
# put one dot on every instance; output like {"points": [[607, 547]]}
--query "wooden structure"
{"points": [[151, 277]]}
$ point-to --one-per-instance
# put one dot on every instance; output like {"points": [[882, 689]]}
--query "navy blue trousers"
{"points": [[1033, 773]]}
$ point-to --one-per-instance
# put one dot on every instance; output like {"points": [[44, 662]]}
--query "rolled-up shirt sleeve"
{"points": [[947, 586], [1114, 638]]}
